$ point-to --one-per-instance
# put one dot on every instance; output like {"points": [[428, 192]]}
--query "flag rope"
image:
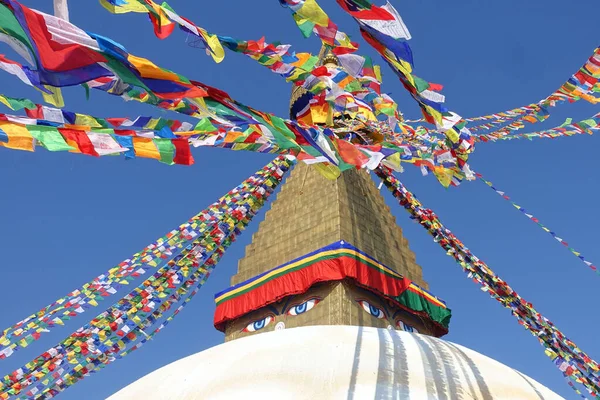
{"points": [[98, 343], [565, 354], [560, 240]]}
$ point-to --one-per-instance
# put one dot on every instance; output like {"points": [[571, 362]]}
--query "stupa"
{"points": [[329, 303]]}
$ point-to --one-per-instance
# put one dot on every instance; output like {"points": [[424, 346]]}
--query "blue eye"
{"points": [[300, 309], [259, 324], [303, 307], [371, 309], [405, 327]]}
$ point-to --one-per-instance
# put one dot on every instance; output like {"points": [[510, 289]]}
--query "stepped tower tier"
{"points": [[311, 212]]}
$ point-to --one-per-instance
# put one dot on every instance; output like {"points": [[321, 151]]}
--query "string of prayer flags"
{"points": [[253, 139], [61, 116], [335, 88], [334, 92], [580, 86], [99, 342], [107, 284], [525, 212], [565, 354], [311, 18], [80, 56], [277, 57], [266, 133], [147, 337], [384, 30], [205, 133], [165, 280], [569, 128], [339, 89], [91, 365], [19, 133], [570, 383], [584, 82], [195, 99], [256, 139], [164, 18]]}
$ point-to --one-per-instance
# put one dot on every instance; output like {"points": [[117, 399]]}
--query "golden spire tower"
{"points": [[309, 214]]}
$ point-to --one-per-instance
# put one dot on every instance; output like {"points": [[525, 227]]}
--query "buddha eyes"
{"points": [[405, 327], [303, 307], [298, 309], [371, 309], [379, 314], [258, 324]]}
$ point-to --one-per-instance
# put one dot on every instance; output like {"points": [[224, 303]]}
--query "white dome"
{"points": [[336, 362]]}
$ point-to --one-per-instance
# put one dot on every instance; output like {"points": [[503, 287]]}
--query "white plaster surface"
{"points": [[336, 362]]}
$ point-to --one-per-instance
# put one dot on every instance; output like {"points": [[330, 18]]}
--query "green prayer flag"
{"points": [[166, 148], [17, 104], [205, 126], [49, 137], [11, 26], [589, 123], [167, 6], [421, 84], [568, 121], [306, 27]]}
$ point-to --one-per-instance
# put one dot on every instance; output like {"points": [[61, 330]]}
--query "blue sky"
{"points": [[67, 218]]}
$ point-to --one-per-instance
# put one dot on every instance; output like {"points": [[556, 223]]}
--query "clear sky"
{"points": [[67, 218]]}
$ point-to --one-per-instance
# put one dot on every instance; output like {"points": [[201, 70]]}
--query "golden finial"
{"points": [[330, 58]]}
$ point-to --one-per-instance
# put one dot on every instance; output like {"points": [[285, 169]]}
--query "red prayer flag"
{"points": [[79, 140], [183, 155], [55, 56], [350, 154]]}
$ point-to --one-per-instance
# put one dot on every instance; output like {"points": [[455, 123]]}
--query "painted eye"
{"points": [[405, 327], [258, 324], [303, 307], [371, 309]]}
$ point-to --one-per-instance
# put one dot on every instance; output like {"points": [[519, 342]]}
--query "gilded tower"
{"points": [[311, 219]]}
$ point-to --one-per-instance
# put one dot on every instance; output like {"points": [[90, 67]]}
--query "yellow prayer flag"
{"points": [[443, 175], [452, 135], [145, 147], [85, 121], [5, 102], [56, 98], [232, 136], [320, 113], [377, 71], [19, 137], [311, 11], [148, 69], [130, 6], [217, 52]]}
